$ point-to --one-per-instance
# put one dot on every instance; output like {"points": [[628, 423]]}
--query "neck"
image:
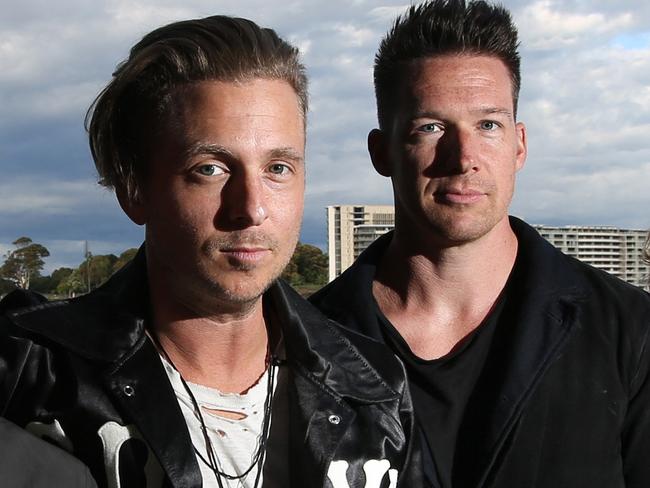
{"points": [[222, 350], [436, 296]]}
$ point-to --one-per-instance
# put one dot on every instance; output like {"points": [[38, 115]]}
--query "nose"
{"points": [[461, 151], [243, 197], [467, 151]]}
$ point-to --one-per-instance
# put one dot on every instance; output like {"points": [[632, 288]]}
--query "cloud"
{"points": [[609, 196], [387, 14], [585, 99], [545, 25], [48, 103], [23, 196], [353, 35]]}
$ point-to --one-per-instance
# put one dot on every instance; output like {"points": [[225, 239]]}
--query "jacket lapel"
{"points": [[142, 392], [541, 311], [318, 422], [521, 353], [326, 377]]}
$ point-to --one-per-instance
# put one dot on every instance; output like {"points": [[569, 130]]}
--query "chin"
{"points": [[456, 232], [243, 288]]}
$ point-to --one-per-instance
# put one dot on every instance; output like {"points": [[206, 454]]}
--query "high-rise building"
{"points": [[351, 228]]}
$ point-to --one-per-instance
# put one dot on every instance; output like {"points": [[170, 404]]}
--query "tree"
{"points": [[308, 265], [124, 258], [60, 274], [95, 270], [290, 272], [312, 264], [72, 285], [24, 262], [49, 284]]}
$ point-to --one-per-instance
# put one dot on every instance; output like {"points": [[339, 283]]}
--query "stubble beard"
{"points": [[269, 272]]}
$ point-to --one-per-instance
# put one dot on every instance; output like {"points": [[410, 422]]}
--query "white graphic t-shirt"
{"points": [[235, 439]]}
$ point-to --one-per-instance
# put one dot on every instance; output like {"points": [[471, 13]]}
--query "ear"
{"points": [[133, 207], [522, 145], [378, 149]]}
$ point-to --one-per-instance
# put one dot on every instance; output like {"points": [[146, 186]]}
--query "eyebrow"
{"points": [[480, 111], [207, 148], [493, 110], [287, 153]]}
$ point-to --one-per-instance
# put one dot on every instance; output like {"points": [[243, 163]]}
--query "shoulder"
{"points": [[605, 295], [615, 310], [610, 289], [18, 299], [348, 299], [27, 460], [377, 355], [609, 318], [97, 326], [331, 350], [542, 266], [356, 279]]}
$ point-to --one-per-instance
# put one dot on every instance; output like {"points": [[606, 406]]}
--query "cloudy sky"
{"points": [[585, 99]]}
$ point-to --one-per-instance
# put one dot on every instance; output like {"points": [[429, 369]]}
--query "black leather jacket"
{"points": [[84, 374], [564, 397]]}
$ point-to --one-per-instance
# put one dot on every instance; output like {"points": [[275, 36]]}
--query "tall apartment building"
{"points": [[351, 228], [617, 251]]}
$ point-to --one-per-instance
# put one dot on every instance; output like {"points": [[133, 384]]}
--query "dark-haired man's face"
{"points": [[224, 197], [453, 148]]}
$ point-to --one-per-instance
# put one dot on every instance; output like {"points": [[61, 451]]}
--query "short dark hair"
{"points": [[122, 118], [439, 27]]}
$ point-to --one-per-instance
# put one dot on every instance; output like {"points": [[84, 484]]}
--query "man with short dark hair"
{"points": [[193, 365], [527, 368]]}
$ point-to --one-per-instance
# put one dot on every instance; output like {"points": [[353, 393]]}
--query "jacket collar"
{"points": [[101, 326], [339, 361], [105, 326], [545, 276]]}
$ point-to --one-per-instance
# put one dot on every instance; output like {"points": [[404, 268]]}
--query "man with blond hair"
{"points": [[194, 365]]}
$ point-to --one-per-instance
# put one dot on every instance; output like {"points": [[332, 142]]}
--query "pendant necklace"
{"points": [[211, 461]]}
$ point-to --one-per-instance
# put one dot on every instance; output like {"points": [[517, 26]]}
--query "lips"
{"points": [[243, 250], [459, 195], [246, 254]]}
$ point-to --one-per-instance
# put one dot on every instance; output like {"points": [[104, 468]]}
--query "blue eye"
{"points": [[488, 125], [430, 128], [210, 170], [278, 169]]}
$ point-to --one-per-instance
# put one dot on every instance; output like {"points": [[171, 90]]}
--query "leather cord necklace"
{"points": [[212, 461]]}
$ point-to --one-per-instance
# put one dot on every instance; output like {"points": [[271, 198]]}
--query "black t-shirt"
{"points": [[441, 389]]}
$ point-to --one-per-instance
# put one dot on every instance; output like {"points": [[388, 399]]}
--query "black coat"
{"points": [[86, 370], [564, 398]]}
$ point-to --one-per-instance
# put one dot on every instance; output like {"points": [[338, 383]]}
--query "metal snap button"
{"points": [[334, 419], [128, 390]]}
